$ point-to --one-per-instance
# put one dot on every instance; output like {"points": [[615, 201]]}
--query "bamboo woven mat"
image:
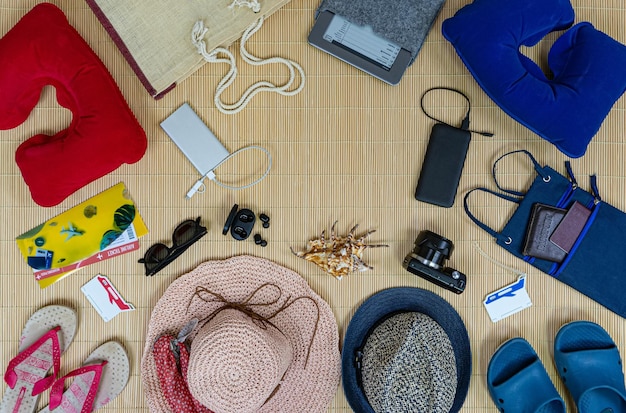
{"points": [[347, 149]]}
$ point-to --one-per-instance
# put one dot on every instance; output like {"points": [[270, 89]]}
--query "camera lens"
{"points": [[432, 249]]}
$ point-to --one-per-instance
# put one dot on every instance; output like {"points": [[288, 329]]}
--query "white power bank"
{"points": [[194, 139]]}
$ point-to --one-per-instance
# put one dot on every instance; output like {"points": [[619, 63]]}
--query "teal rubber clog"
{"points": [[518, 381], [590, 365]]}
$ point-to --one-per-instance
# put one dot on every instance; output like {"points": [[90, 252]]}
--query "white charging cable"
{"points": [[199, 186]]}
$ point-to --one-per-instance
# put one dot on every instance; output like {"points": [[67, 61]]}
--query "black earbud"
{"points": [[265, 220]]}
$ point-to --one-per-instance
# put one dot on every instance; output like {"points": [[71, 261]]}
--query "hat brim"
{"points": [[307, 385], [396, 300]]}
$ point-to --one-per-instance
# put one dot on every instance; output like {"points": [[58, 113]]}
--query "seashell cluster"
{"points": [[339, 255]]}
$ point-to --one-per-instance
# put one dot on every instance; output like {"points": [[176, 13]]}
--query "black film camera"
{"points": [[427, 259]]}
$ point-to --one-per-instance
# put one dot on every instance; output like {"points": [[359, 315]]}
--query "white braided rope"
{"points": [[197, 37], [254, 5]]}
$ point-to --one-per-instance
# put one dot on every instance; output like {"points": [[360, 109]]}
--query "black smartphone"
{"points": [[443, 163]]}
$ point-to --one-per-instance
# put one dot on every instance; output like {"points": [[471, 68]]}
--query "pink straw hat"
{"points": [[264, 342]]}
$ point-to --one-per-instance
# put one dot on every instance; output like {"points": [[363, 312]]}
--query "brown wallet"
{"points": [[543, 221]]}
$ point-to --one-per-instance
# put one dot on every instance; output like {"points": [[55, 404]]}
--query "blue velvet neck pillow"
{"points": [[588, 67]]}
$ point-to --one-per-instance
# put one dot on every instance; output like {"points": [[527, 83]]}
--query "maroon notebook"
{"points": [[570, 227]]}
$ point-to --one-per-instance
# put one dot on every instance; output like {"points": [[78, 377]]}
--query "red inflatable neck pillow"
{"points": [[44, 49]]}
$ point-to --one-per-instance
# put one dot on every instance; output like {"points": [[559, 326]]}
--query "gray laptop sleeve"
{"points": [[403, 22]]}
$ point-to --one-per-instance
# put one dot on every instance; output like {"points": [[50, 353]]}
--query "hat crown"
{"points": [[236, 363], [409, 365], [265, 291]]}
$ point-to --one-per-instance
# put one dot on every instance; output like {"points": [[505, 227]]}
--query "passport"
{"points": [[568, 230], [543, 221]]}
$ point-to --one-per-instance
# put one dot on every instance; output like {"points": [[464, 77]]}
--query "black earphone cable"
{"points": [[466, 120]]}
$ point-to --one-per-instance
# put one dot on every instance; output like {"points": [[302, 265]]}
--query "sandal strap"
{"points": [[531, 380], [11, 377], [56, 393], [590, 369]]}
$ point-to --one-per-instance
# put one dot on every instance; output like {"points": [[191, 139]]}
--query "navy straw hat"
{"points": [[418, 350]]}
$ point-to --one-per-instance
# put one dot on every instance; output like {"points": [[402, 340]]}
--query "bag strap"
{"points": [[593, 183], [540, 171], [517, 196], [290, 88], [488, 229], [570, 174]]}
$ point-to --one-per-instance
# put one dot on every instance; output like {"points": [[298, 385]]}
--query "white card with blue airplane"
{"points": [[508, 300]]}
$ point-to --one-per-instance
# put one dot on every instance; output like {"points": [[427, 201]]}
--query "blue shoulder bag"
{"points": [[596, 263]]}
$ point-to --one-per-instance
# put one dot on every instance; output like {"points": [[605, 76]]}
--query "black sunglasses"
{"points": [[159, 255]]}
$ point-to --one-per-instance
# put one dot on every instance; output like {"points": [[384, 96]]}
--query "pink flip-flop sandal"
{"points": [[47, 334], [102, 377]]}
